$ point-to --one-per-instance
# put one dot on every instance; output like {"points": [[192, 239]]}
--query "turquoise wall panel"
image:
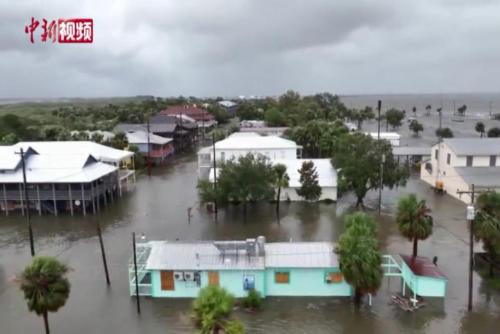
{"points": [[305, 282], [231, 280]]}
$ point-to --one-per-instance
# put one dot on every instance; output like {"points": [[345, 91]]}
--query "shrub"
{"points": [[253, 300]]}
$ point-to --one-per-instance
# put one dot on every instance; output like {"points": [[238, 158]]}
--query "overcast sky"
{"points": [[259, 47]]}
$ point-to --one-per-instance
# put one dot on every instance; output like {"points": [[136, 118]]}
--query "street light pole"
{"points": [[379, 107], [215, 174], [381, 184], [26, 200]]}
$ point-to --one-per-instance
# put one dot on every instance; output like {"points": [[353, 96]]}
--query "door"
{"points": [[213, 278], [167, 280]]}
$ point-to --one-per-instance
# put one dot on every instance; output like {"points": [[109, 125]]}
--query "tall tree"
{"points": [[361, 115], [428, 109], [444, 133], [416, 127], [212, 310], [414, 220], [359, 157], [281, 181], [45, 286], [359, 258], [461, 110], [309, 186], [480, 128], [487, 225], [249, 178], [394, 117], [494, 132], [119, 141]]}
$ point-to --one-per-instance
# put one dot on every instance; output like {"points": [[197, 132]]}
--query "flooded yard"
{"points": [[158, 208]]}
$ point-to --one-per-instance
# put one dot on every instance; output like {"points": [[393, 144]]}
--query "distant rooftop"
{"points": [[474, 146], [140, 137], [252, 140]]}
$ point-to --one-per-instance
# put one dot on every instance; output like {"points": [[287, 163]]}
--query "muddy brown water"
{"points": [[158, 208]]}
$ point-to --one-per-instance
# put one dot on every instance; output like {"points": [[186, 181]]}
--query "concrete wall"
{"points": [[329, 193], [305, 282]]}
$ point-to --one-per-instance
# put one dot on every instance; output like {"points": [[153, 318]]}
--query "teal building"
{"points": [[181, 269]]}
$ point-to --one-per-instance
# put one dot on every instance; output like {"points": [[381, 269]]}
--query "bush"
{"points": [[253, 300]]}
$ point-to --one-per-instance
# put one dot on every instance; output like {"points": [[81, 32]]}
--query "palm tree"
{"points": [[211, 311], [487, 225], [359, 258], [414, 220], [480, 128], [45, 286], [281, 180]]}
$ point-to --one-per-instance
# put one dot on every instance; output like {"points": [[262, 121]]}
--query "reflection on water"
{"points": [[158, 208]]}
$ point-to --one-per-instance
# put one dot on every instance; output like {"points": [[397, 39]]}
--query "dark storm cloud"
{"points": [[243, 47]]}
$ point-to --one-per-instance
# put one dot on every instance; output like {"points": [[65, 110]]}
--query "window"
{"points": [[248, 282], [167, 280], [448, 158], [493, 161], [470, 158], [332, 277], [282, 277], [436, 153], [213, 278]]}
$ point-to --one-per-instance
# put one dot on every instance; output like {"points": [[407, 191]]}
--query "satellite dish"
{"points": [[77, 203]]}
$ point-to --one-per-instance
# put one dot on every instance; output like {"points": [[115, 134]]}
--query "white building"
{"points": [[393, 137], [240, 144], [327, 178], [460, 162]]}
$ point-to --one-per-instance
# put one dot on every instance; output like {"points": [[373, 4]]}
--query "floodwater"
{"points": [[158, 208]]}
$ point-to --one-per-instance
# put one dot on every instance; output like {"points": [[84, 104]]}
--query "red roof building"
{"points": [[196, 113]]}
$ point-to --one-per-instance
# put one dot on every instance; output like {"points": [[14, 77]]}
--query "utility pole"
{"points": [[103, 252], [149, 148], [491, 105], [381, 184], [135, 273], [379, 106], [470, 217], [215, 174], [26, 200]]}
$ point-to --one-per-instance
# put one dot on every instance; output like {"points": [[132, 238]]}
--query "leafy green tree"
{"points": [[414, 110], [274, 117], [96, 137], [281, 180], [9, 139], [309, 186], [394, 117], [119, 141], [253, 300], [248, 111], [289, 100], [461, 110], [212, 310], [414, 220], [139, 158], [487, 225], [359, 157], [494, 132], [444, 133], [416, 127], [359, 258], [45, 286], [480, 128], [359, 116], [428, 109], [80, 136], [249, 178], [219, 113]]}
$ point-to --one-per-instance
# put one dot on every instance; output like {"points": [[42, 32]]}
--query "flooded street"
{"points": [[158, 208]]}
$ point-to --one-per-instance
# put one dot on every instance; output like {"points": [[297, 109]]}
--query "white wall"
{"points": [[283, 153], [291, 194]]}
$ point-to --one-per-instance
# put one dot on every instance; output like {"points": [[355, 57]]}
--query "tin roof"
{"points": [[300, 255], [140, 137], [480, 176], [474, 146], [197, 256], [409, 150], [167, 255], [422, 266], [252, 140]]}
